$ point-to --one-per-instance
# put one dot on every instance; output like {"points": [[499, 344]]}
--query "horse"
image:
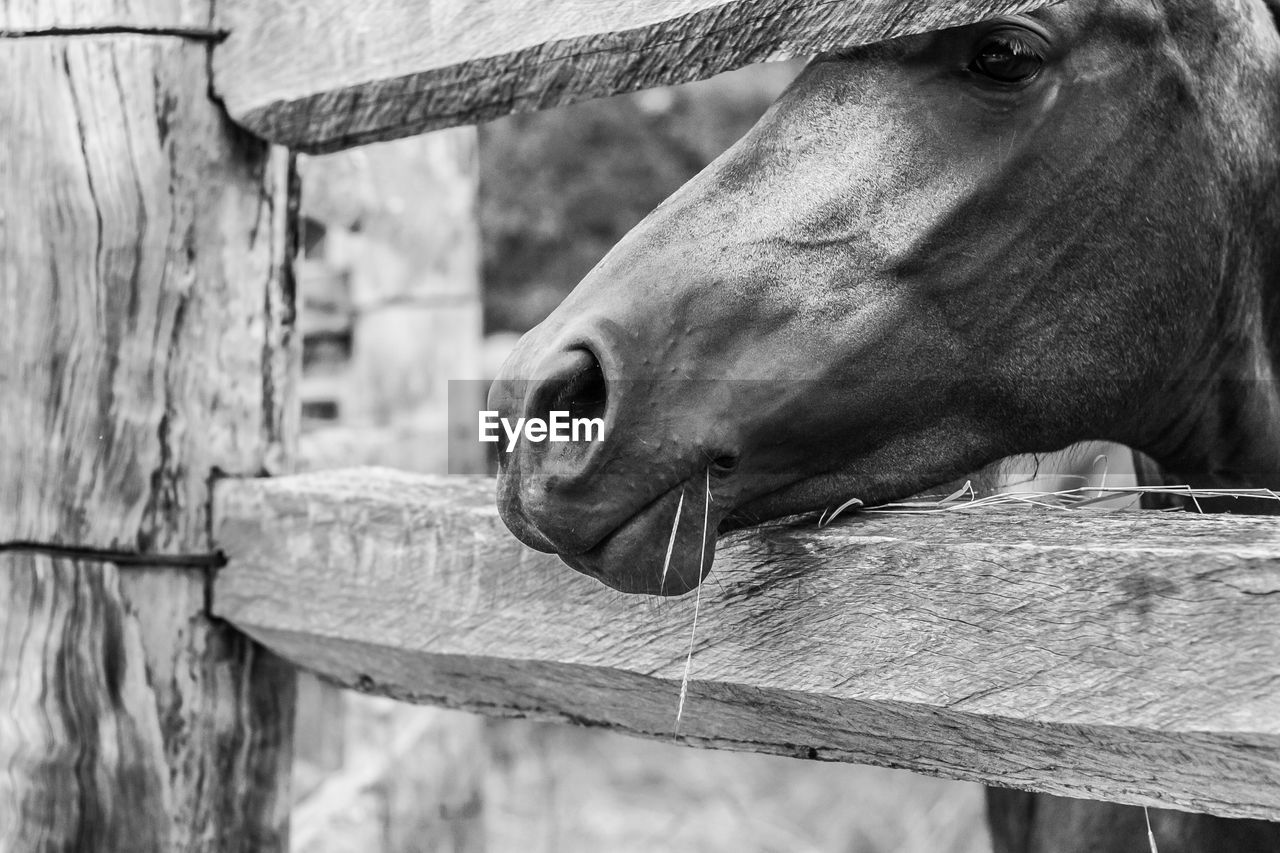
{"points": [[930, 254]]}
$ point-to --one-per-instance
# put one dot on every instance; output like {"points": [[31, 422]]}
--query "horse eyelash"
{"points": [[1015, 45]]}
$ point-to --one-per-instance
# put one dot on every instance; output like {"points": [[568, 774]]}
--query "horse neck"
{"points": [[1219, 422], [1226, 430], [1259, 452]]}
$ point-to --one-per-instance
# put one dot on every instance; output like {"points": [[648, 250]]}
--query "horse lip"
{"points": [[714, 474], [755, 503], [613, 559], [779, 503], [603, 541]]}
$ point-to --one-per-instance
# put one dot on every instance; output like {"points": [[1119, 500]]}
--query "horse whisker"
{"points": [[1151, 836], [675, 526], [697, 604]]}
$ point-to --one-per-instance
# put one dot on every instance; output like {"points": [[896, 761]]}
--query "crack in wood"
{"points": [[194, 33], [123, 559]]}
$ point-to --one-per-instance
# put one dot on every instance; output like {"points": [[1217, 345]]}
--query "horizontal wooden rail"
{"points": [[103, 18], [320, 75], [1132, 657]]}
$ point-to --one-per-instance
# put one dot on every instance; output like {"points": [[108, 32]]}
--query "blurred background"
{"points": [[424, 260]]}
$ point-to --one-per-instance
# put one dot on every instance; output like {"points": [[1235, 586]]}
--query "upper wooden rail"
{"points": [[1131, 657], [106, 18], [320, 75]]}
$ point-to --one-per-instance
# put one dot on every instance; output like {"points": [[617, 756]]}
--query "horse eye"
{"points": [[1007, 59]]}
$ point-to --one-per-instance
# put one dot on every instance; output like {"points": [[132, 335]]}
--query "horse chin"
{"points": [[652, 553]]}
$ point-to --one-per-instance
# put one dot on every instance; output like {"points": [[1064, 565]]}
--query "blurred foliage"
{"points": [[559, 188]]}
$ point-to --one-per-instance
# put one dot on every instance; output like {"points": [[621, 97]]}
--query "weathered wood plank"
{"points": [[320, 75], [36, 17], [1131, 657], [145, 317]]}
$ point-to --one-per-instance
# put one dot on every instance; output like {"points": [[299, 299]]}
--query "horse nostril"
{"points": [[584, 394], [572, 382]]}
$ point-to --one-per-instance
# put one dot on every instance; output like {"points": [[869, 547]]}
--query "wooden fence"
{"points": [[389, 312], [1120, 656], [148, 359]]}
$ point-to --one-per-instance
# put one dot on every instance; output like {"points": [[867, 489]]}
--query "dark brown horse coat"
{"points": [[930, 254]]}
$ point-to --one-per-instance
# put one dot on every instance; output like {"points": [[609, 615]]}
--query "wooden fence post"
{"points": [[146, 311]]}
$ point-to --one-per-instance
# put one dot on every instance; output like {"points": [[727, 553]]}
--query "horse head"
{"points": [[929, 254]]}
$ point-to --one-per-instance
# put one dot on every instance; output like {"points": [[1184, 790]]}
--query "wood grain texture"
{"points": [[25, 17], [320, 75], [145, 325], [145, 316], [89, 762], [1130, 657], [102, 714]]}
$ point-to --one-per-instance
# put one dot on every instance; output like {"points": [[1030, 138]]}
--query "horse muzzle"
{"points": [[628, 490]]}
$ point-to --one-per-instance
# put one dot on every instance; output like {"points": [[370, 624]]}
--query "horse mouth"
{"points": [[666, 548], [652, 553]]}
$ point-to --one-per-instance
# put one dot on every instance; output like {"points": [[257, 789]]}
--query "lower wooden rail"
{"points": [[1131, 657]]}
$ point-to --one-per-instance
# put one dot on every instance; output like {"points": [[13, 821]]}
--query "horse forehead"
{"points": [[1205, 31], [814, 212], [822, 137], [1134, 17]]}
